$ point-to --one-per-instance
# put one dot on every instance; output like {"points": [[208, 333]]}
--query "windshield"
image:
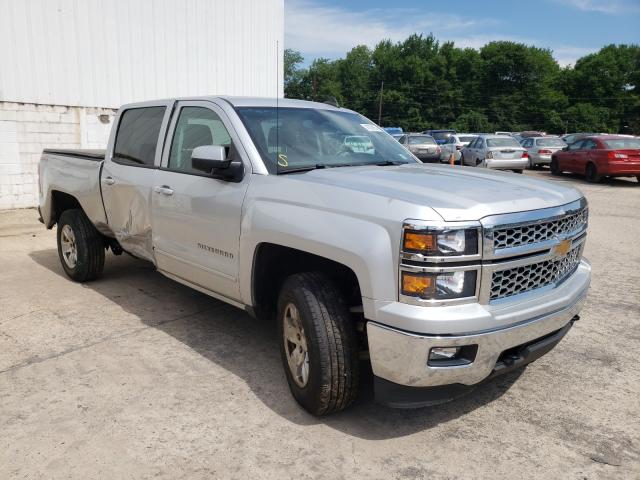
{"points": [[550, 142], [421, 140], [294, 138], [623, 144], [466, 139], [441, 135], [502, 142]]}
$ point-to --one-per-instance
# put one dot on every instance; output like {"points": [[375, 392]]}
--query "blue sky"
{"points": [[571, 28]]}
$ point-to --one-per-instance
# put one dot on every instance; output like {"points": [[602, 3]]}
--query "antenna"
{"points": [[277, 106]]}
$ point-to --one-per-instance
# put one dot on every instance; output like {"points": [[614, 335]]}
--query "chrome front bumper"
{"points": [[401, 357]]}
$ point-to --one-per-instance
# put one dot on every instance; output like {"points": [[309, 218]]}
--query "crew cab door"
{"points": [[134, 152], [196, 218]]}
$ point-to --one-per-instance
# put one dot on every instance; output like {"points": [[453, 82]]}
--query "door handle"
{"points": [[109, 180], [164, 190]]}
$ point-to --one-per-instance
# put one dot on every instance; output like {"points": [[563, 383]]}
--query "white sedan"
{"points": [[497, 152], [455, 144]]}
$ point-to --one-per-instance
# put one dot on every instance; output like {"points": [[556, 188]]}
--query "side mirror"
{"points": [[208, 158], [564, 149]]}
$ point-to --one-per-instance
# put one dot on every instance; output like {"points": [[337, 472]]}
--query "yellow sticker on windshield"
{"points": [[282, 160]]}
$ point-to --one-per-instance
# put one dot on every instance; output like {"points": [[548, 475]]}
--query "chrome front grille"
{"points": [[518, 235], [521, 279]]}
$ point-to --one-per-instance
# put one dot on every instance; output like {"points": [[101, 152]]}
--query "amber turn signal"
{"points": [[419, 242], [416, 285]]}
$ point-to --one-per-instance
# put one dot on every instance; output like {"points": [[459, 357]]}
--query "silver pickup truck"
{"points": [[439, 276]]}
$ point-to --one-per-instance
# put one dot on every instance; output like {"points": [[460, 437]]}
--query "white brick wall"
{"points": [[26, 129]]}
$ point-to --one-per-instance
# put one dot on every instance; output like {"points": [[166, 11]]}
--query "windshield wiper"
{"points": [[302, 169], [387, 163]]}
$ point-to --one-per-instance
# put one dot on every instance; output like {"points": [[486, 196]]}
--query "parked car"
{"points": [[497, 152], [532, 133], [440, 136], [574, 137], [393, 131], [422, 146], [455, 144], [397, 136], [441, 278], [599, 156], [540, 149]]}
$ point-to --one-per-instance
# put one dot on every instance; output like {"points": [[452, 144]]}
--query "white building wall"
{"points": [[63, 62], [99, 53], [26, 129]]}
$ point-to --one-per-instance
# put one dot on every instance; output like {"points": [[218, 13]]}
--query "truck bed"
{"points": [[75, 173], [94, 155]]}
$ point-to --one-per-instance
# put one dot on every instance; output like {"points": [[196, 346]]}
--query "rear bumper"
{"points": [[620, 168], [517, 164], [540, 159]]}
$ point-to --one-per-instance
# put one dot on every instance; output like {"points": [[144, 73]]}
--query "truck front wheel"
{"points": [[317, 343], [80, 246]]}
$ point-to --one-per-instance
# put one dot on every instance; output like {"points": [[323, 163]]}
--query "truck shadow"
{"points": [[247, 348]]}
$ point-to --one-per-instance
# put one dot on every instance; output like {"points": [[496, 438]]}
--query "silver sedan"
{"points": [[497, 152], [540, 149]]}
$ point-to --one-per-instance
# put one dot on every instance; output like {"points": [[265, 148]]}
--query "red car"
{"points": [[599, 156]]}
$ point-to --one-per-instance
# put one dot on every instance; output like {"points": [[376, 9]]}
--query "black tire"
{"points": [[517, 171], [638, 178], [88, 244], [461, 160], [591, 174], [555, 168], [330, 337]]}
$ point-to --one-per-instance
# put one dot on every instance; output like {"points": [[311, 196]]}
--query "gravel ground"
{"points": [[135, 376]]}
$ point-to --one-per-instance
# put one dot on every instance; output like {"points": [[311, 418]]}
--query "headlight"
{"points": [[441, 243], [439, 286]]}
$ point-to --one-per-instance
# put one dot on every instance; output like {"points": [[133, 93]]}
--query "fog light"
{"points": [[443, 353], [452, 356]]}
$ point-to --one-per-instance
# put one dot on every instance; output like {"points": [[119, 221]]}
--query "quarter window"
{"points": [[197, 126], [137, 136]]}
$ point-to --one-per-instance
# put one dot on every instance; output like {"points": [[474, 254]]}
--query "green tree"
{"points": [[504, 85]]}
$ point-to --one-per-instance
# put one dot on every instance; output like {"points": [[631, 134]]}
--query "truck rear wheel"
{"points": [[80, 246], [317, 343]]}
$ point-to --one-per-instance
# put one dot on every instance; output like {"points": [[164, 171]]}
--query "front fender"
{"points": [[363, 246]]}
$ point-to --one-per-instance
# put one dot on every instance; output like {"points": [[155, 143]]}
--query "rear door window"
{"points": [[137, 137]]}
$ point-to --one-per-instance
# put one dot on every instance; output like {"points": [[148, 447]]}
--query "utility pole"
{"points": [[380, 105]]}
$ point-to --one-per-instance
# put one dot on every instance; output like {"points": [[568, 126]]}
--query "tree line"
{"points": [[419, 84]]}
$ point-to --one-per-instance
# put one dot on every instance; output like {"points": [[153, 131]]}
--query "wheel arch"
{"points": [[60, 201], [274, 263]]}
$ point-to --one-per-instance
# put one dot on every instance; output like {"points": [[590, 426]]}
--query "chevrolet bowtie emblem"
{"points": [[562, 248]]}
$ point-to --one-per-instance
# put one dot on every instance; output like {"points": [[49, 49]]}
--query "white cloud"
{"points": [[322, 30], [567, 55], [603, 6], [318, 30]]}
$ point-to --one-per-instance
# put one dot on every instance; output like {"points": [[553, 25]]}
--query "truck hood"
{"points": [[455, 193]]}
